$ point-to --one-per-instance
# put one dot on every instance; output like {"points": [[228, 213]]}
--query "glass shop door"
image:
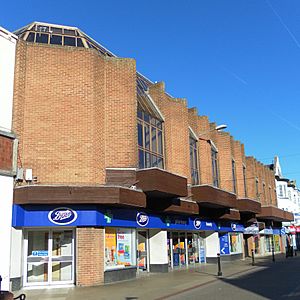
{"points": [[48, 257]]}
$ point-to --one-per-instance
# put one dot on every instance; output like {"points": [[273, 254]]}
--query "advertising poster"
{"points": [[224, 244], [110, 247], [124, 246]]}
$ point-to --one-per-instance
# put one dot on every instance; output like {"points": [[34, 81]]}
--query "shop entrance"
{"points": [[49, 257], [185, 248], [142, 253]]}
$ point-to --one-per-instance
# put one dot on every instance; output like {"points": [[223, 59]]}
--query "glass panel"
{"points": [[56, 30], [142, 250], [160, 142], [147, 136], [158, 124], [160, 162], [140, 134], [120, 247], [61, 271], [191, 249], [41, 38], [140, 114], [146, 117], [147, 160], [62, 255], [30, 37], [69, 32], [42, 28], [153, 139], [182, 248], [37, 256], [196, 247], [202, 249], [176, 249], [69, 41], [79, 43], [56, 39], [37, 272], [141, 159], [154, 160]]}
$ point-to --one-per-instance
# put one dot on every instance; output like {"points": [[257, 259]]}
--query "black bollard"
{"points": [[273, 255], [0, 282], [295, 252], [219, 265], [252, 254]]}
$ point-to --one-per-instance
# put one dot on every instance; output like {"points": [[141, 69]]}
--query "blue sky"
{"points": [[237, 61]]}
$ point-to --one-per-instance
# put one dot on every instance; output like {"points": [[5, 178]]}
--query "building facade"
{"points": [[8, 149], [120, 178]]}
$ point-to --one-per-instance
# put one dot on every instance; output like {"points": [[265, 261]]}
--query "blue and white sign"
{"points": [[39, 253], [233, 226], [282, 231], [224, 244], [197, 223], [62, 216], [142, 219], [253, 229]]}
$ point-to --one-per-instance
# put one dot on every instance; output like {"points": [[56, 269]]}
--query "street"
{"points": [[279, 280], [240, 280]]}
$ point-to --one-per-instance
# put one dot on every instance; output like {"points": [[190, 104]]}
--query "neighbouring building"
{"points": [[288, 198], [121, 178], [8, 150]]}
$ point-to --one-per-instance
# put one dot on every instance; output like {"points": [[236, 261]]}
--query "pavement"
{"points": [[179, 284]]}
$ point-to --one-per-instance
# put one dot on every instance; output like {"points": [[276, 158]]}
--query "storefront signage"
{"points": [[142, 219], [251, 230], [224, 244], [62, 216], [93, 215], [233, 226], [267, 231], [39, 253], [197, 223]]}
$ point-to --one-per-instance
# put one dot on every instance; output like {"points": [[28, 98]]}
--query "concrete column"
{"points": [[212, 246], [16, 259], [6, 199], [158, 251]]}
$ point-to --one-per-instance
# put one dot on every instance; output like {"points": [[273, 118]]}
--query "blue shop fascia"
{"points": [[72, 216], [30, 216]]}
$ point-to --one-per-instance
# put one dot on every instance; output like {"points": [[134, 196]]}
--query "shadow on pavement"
{"points": [[279, 280]]}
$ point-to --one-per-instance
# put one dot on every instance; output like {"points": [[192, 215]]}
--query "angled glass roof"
{"points": [[53, 34]]}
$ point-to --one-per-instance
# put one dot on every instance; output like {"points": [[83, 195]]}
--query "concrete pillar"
{"points": [[212, 246], [16, 259], [6, 199], [158, 252]]}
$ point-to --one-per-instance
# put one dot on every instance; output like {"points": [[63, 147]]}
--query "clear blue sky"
{"points": [[237, 61]]}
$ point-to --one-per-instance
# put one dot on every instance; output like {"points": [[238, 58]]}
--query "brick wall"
{"points": [[239, 157], [175, 112], [89, 256], [6, 153], [76, 114]]}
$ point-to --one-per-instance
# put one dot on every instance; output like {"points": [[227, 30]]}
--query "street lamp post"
{"points": [[217, 128]]}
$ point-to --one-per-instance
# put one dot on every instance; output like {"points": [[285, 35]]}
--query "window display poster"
{"points": [[224, 244], [124, 246], [233, 243], [110, 247], [277, 243], [141, 249]]}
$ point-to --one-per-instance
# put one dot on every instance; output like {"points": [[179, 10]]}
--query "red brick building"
{"points": [[122, 177]]}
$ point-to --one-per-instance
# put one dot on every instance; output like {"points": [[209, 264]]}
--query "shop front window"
{"points": [[120, 248], [235, 243]]}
